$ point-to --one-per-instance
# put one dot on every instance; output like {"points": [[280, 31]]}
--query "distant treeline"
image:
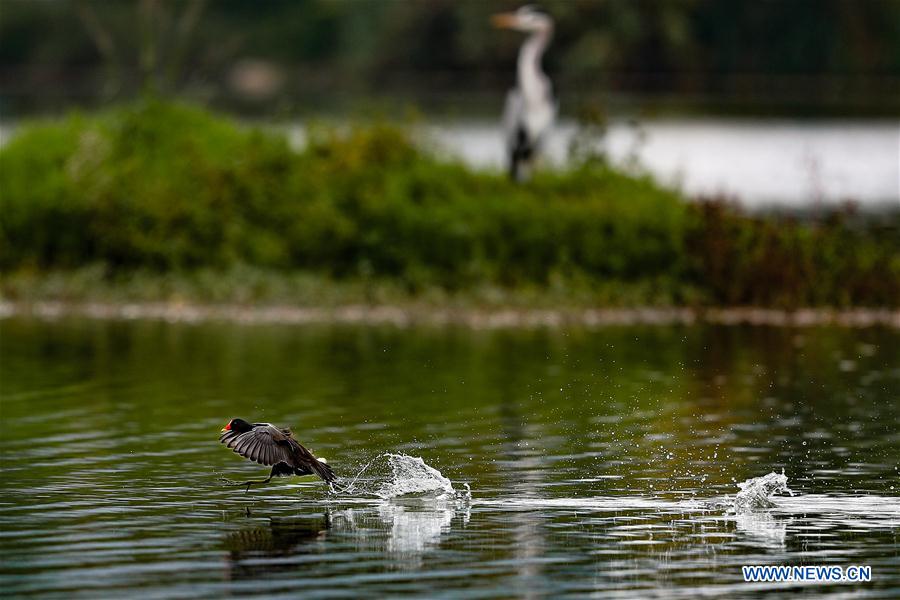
{"points": [[293, 55], [156, 187]]}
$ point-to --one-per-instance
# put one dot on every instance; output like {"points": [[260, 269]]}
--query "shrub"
{"points": [[162, 187]]}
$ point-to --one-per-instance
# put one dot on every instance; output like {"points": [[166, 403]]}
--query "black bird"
{"points": [[275, 447]]}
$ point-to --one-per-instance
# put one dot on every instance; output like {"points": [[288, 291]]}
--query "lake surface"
{"points": [[599, 462], [757, 162]]}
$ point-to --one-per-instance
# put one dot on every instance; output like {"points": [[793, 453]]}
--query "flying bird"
{"points": [[274, 447], [530, 106]]}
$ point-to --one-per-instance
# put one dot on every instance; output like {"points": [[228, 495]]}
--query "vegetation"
{"points": [[835, 55], [166, 201]]}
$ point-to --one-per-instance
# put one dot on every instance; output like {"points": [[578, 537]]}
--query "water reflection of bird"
{"points": [[281, 538], [275, 447], [288, 541], [530, 106]]}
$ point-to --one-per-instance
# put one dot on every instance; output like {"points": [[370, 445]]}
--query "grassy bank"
{"points": [[158, 201]]}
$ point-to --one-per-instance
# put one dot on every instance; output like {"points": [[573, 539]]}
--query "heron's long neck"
{"points": [[531, 77]]}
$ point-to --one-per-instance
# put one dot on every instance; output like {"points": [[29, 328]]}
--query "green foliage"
{"points": [[167, 188], [843, 260]]}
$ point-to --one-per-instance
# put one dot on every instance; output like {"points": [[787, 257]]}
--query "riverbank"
{"points": [[163, 202], [421, 315]]}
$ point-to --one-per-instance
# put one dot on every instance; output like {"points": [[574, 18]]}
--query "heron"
{"points": [[530, 106]]}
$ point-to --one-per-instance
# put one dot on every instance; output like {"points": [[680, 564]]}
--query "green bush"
{"points": [[168, 188], [843, 260]]}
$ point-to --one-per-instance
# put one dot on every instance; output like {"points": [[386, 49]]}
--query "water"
{"points": [[757, 162], [600, 462], [756, 494], [399, 476]]}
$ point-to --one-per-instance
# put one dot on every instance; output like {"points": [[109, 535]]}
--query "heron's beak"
{"points": [[504, 20]]}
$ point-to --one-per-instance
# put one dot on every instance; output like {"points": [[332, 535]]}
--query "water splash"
{"points": [[411, 476], [389, 476], [755, 493]]}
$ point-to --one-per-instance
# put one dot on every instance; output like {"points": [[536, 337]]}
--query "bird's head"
{"points": [[238, 426], [527, 19]]}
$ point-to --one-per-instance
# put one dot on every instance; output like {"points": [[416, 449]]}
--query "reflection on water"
{"points": [[601, 462], [260, 550], [763, 527], [280, 538], [403, 531], [413, 530]]}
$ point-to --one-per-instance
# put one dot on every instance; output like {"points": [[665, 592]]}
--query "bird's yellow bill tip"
{"points": [[503, 20], [225, 429]]}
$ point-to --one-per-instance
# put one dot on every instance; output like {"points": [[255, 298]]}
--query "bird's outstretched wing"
{"points": [[268, 445], [264, 444]]}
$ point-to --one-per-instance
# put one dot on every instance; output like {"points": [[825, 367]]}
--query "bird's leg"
{"points": [[252, 482], [256, 482]]}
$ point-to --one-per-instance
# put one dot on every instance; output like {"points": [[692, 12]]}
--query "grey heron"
{"points": [[530, 106]]}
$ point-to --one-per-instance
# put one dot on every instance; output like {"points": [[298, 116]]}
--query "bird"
{"points": [[275, 447], [530, 106]]}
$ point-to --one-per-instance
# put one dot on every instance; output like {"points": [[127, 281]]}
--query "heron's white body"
{"points": [[530, 107]]}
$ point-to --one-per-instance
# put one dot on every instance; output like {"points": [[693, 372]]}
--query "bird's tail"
{"points": [[324, 471], [520, 156]]}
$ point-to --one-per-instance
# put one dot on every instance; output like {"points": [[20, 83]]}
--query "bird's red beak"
{"points": [[504, 20], [227, 427]]}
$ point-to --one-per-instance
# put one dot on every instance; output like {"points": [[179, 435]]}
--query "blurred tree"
{"points": [[160, 65], [795, 53]]}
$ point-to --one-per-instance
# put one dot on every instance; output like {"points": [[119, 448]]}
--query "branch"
{"points": [[102, 40], [186, 25]]}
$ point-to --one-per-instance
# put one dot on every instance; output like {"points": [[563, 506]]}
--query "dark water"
{"points": [[599, 462]]}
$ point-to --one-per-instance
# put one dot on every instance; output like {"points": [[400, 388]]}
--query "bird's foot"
{"points": [[232, 483]]}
